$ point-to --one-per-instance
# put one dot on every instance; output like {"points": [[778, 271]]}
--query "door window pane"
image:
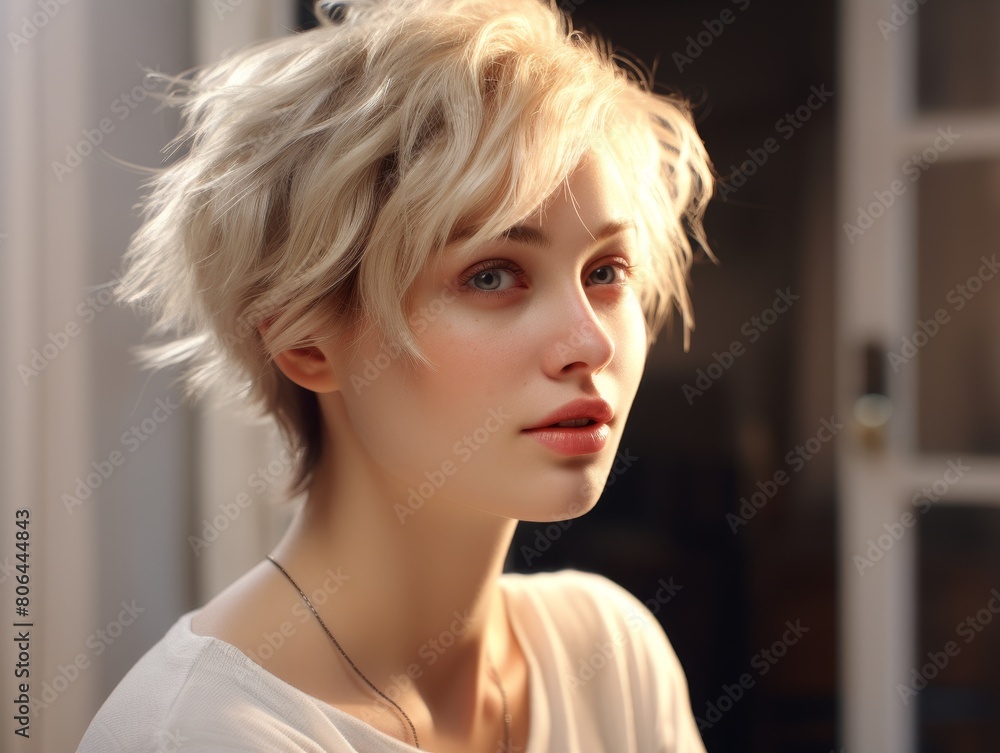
{"points": [[954, 343], [958, 53], [953, 679]]}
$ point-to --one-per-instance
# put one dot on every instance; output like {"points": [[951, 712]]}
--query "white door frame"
{"points": [[876, 302]]}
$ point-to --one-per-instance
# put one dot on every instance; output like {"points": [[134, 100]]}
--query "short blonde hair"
{"points": [[321, 171]]}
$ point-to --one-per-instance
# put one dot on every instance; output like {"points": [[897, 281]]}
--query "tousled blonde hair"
{"points": [[321, 171]]}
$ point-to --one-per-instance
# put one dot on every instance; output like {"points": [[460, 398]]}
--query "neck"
{"points": [[417, 605]]}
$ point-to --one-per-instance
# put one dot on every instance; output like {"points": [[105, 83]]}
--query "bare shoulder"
{"points": [[243, 610]]}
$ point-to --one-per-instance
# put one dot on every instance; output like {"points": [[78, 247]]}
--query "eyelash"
{"points": [[492, 264]]}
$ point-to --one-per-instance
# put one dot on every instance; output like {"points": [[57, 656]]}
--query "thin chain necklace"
{"points": [[413, 730]]}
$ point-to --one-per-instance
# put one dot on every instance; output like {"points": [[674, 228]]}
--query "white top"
{"points": [[603, 679]]}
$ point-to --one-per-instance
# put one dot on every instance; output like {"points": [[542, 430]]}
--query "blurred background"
{"points": [[808, 499]]}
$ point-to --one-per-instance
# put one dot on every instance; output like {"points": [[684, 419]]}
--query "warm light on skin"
{"points": [[525, 325], [554, 331]]}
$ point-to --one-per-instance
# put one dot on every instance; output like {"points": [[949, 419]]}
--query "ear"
{"points": [[309, 367]]}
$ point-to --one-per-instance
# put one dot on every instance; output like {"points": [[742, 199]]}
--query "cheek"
{"points": [[411, 419], [630, 345], [457, 422], [475, 360]]}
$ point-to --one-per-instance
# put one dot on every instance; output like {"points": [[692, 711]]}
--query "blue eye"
{"points": [[616, 272], [492, 279], [608, 274], [496, 276], [499, 277]]}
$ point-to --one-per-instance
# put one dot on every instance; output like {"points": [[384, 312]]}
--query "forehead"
{"points": [[592, 204], [594, 194]]}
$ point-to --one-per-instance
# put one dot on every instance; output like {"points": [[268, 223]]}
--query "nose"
{"points": [[576, 339]]}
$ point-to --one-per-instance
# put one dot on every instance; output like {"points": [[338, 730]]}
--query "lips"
{"points": [[580, 413]]}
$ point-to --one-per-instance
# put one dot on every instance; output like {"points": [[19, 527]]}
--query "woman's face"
{"points": [[545, 317]]}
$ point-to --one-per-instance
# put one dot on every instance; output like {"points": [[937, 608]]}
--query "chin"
{"points": [[563, 499]]}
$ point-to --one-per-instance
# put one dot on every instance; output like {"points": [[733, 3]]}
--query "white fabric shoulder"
{"points": [[618, 656], [196, 694], [604, 679]]}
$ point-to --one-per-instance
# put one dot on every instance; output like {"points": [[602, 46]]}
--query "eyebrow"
{"points": [[534, 236]]}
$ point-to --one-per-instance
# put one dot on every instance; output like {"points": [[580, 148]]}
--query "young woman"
{"points": [[434, 239]]}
